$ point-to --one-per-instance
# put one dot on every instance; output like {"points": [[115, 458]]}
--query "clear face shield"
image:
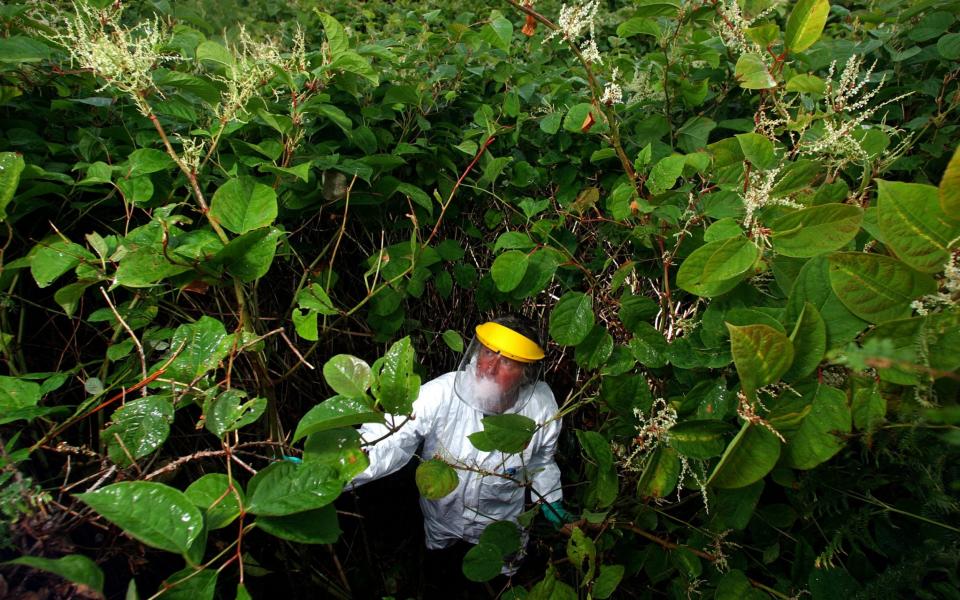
{"points": [[498, 371]]}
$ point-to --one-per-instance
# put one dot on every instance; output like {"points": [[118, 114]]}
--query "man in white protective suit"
{"points": [[499, 374]]}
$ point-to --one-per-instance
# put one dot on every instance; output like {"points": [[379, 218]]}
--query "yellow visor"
{"points": [[508, 342]]}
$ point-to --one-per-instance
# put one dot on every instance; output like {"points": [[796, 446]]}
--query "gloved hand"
{"points": [[556, 513], [294, 459]]}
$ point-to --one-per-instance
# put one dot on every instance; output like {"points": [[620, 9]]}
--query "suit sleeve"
{"points": [[545, 472]]}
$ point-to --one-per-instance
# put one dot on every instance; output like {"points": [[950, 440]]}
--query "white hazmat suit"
{"points": [[442, 422]]}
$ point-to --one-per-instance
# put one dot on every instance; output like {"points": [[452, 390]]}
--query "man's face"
{"points": [[506, 372]]}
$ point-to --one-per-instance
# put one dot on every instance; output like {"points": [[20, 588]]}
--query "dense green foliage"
{"points": [[738, 222]]}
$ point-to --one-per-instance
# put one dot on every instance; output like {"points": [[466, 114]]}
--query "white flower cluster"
{"points": [[758, 196], [733, 26], [950, 286], [123, 57], [612, 93], [573, 21], [644, 86], [848, 102]]}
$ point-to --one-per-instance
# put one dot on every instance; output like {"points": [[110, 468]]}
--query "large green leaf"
{"points": [[201, 346], [249, 256], [16, 394], [950, 187], [508, 269], [52, 259], [139, 427], [809, 339], [649, 346], [699, 438], [284, 488], [660, 475], [751, 455], [230, 411], [11, 165], [717, 267], [76, 568], [337, 38], [153, 513], [664, 174], [761, 353], [735, 586], [815, 230], [191, 584], [507, 433], [595, 349], [397, 385], [212, 493], [812, 285], [336, 412], [436, 479], [821, 432], [572, 318], [877, 288], [603, 482], [758, 149], [242, 204], [339, 449], [914, 225], [348, 375], [318, 526], [752, 73], [482, 562], [805, 24]]}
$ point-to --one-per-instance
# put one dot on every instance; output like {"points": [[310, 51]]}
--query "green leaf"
{"points": [[876, 288], [11, 165], [577, 116], [595, 349], [581, 548], [950, 187], [733, 509], [153, 513], [821, 432], [813, 285], [22, 49], [607, 581], [75, 568], [717, 267], [508, 433], [914, 224], [752, 74], [505, 535], [664, 174], [508, 269], [572, 318], [336, 34], [758, 149], [50, 261], [649, 346], [351, 62], [212, 494], [761, 353], [482, 562], [635, 310], [250, 256], [348, 375], [810, 84], [333, 413], [498, 33], [242, 204], [638, 26], [284, 488], [148, 160], [869, 408], [749, 456], [139, 427], [723, 229], [809, 339], [191, 583], [436, 479], [816, 230], [204, 344], [699, 438], [453, 340], [660, 475], [315, 298], [339, 449], [214, 52], [228, 411], [735, 586], [949, 46], [318, 526], [805, 24], [398, 386], [16, 394]]}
